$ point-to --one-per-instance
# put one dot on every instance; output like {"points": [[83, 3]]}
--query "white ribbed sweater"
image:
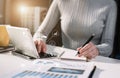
{"points": [[80, 19]]}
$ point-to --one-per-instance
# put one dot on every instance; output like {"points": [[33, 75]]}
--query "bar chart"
{"points": [[35, 74]]}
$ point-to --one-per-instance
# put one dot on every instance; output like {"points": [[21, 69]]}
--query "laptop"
{"points": [[22, 40]]}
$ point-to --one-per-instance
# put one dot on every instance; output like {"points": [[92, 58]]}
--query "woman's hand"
{"points": [[89, 50], [40, 45]]}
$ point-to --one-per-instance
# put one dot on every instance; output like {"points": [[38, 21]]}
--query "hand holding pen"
{"points": [[88, 49]]}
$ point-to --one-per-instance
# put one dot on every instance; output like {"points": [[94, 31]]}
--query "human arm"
{"points": [[105, 45], [107, 39], [47, 25]]}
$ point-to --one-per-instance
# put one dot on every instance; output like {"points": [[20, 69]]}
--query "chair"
{"points": [[54, 37]]}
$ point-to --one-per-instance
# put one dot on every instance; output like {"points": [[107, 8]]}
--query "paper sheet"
{"points": [[54, 69]]}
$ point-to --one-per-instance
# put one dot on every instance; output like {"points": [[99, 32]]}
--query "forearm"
{"points": [[50, 21], [39, 36], [106, 44], [105, 49]]}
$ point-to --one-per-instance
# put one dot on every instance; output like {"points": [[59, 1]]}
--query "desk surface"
{"points": [[9, 62], [106, 67]]}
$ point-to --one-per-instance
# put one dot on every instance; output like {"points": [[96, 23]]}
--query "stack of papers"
{"points": [[7, 49]]}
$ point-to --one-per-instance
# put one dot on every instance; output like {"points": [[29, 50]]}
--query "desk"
{"points": [[9, 63], [106, 67]]}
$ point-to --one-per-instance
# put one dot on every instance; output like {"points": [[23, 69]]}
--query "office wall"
{"points": [[30, 3], [12, 16], [2, 11]]}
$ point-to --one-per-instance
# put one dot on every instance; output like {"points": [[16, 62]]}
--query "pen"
{"points": [[61, 54], [91, 37]]}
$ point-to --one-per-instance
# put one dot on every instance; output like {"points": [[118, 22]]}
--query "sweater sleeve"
{"points": [[51, 19], [107, 39]]}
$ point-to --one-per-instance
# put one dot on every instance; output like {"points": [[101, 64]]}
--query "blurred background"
{"points": [[25, 13], [28, 14]]}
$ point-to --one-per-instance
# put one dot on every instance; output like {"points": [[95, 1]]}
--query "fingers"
{"points": [[89, 51], [78, 49], [92, 53], [44, 48], [84, 50], [86, 47], [40, 45]]}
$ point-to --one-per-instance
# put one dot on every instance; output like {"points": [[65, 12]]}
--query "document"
{"points": [[54, 68], [65, 53], [71, 55]]}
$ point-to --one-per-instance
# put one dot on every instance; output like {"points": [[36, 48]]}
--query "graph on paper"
{"points": [[34, 74]]}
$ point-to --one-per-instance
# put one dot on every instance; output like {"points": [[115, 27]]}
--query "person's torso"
{"points": [[80, 19]]}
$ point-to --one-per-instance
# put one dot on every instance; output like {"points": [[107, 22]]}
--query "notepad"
{"points": [[71, 55], [65, 53]]}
